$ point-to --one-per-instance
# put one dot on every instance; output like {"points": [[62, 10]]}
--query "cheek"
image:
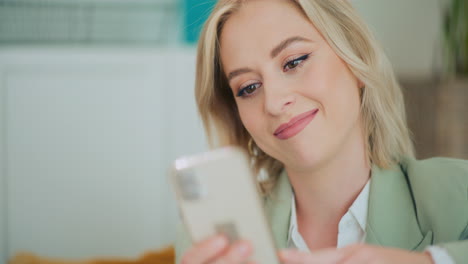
{"points": [[249, 117], [337, 87], [319, 81]]}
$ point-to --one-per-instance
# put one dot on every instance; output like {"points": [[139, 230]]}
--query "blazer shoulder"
{"points": [[440, 191], [440, 179], [451, 171]]}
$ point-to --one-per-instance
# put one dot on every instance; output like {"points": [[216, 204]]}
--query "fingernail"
{"points": [[220, 242], [243, 249], [284, 254]]}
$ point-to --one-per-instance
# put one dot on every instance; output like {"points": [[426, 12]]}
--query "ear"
{"points": [[361, 84]]}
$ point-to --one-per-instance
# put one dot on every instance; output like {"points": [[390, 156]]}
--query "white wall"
{"points": [[3, 183], [89, 137], [408, 30]]}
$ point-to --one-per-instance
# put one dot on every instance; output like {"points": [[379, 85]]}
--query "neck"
{"points": [[324, 194]]}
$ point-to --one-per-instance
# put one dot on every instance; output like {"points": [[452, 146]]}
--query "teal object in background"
{"points": [[195, 14]]}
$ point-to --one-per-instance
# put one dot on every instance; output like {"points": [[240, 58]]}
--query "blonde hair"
{"points": [[382, 104]]}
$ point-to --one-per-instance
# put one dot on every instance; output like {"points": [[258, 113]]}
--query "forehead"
{"points": [[259, 25]]}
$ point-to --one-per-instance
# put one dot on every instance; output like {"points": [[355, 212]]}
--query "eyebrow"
{"points": [[285, 43], [274, 52], [238, 72]]}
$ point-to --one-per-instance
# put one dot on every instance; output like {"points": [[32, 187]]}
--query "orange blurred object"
{"points": [[164, 256]]}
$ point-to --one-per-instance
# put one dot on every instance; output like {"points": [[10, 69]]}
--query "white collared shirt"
{"points": [[352, 229]]}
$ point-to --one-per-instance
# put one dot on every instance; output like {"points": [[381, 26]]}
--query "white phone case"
{"points": [[216, 193]]}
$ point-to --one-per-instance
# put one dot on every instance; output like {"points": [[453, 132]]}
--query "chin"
{"points": [[304, 160]]}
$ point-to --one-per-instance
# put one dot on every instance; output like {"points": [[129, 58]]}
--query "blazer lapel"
{"points": [[278, 210], [391, 219]]}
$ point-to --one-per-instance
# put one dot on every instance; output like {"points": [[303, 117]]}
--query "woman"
{"points": [[303, 86]]}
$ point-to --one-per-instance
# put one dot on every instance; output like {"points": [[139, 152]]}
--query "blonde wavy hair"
{"points": [[382, 104]]}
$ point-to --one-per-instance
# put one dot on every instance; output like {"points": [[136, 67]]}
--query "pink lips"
{"points": [[295, 125]]}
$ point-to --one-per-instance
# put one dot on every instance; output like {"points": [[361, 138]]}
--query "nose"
{"points": [[278, 99]]}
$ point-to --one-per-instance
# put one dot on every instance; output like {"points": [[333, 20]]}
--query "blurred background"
{"points": [[96, 101]]}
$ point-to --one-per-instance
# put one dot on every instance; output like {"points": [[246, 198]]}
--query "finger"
{"points": [[373, 254], [237, 253], [324, 256], [359, 253], [293, 256], [205, 251]]}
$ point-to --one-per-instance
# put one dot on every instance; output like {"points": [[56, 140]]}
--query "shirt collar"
{"points": [[359, 207]]}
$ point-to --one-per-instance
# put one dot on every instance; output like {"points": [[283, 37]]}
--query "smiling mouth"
{"points": [[295, 125]]}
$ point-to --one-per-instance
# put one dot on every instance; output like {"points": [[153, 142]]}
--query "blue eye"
{"points": [[248, 90], [292, 64]]}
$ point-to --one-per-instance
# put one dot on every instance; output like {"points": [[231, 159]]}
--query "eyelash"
{"points": [[300, 60]]}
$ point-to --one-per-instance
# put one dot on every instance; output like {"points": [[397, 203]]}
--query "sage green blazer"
{"points": [[411, 206]]}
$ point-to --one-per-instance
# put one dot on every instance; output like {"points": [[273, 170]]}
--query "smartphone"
{"points": [[217, 193]]}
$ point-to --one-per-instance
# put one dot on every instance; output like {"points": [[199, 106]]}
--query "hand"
{"points": [[215, 250], [355, 254]]}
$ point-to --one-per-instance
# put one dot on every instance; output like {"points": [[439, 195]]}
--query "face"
{"points": [[295, 96]]}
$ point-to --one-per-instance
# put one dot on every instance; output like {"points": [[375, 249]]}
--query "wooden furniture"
{"points": [[438, 116], [163, 256]]}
